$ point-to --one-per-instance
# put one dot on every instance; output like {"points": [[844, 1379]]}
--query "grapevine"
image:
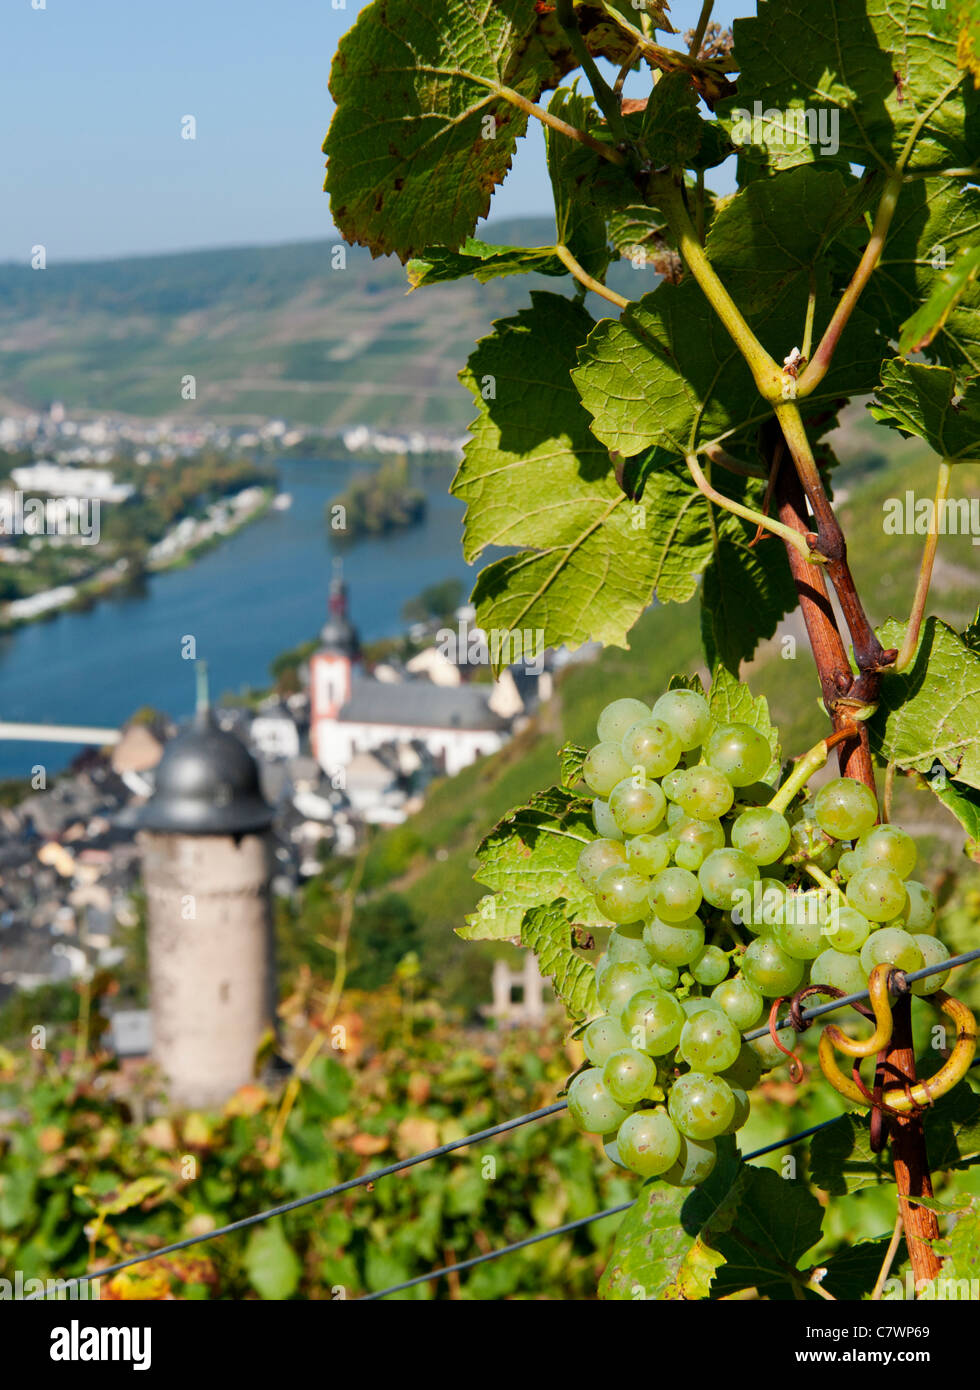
{"points": [[679, 447]]}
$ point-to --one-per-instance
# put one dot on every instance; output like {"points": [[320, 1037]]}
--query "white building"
{"points": [[59, 481], [351, 713]]}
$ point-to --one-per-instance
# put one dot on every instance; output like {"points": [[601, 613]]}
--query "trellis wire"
{"points": [[367, 1178], [570, 1225]]}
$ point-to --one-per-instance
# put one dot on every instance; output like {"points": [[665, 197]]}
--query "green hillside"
{"points": [[268, 332]]}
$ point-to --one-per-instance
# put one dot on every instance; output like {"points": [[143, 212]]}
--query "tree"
{"points": [[682, 443]]}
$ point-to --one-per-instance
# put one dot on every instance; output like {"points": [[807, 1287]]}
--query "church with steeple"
{"points": [[352, 712]]}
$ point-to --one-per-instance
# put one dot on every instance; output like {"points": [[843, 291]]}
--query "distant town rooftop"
{"points": [[420, 704]]}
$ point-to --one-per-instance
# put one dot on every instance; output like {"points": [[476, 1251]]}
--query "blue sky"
{"points": [[92, 98]]}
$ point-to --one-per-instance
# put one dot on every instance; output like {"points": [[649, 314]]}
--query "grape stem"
{"points": [[823, 879], [697, 38], [606, 98], [909, 647], [889, 1259], [804, 768], [589, 281], [766, 523]]}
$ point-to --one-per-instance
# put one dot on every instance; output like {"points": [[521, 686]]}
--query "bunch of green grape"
{"points": [[720, 903]]}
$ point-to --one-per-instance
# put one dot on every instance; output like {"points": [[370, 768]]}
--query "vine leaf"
{"points": [[963, 803], [547, 931], [842, 1160], [663, 1249], [732, 702], [892, 76], [571, 756], [919, 330], [961, 1250], [423, 133], [529, 860], [963, 18], [481, 259], [853, 1270], [936, 221], [671, 127], [581, 226], [667, 375], [931, 712], [745, 595], [534, 474], [917, 399]]}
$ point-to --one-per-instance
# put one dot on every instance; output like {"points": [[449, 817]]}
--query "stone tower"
{"points": [[207, 871]]}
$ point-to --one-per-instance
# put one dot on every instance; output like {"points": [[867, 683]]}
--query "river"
{"points": [[257, 594]]}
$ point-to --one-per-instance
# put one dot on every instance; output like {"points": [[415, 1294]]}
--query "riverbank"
{"points": [[189, 540]]}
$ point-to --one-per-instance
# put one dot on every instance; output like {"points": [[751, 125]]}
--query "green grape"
{"points": [[801, 932], [697, 1003], [628, 1075], [767, 966], [617, 719], [920, 911], [741, 1001], [668, 785], [848, 864], [761, 910], [703, 793], [933, 952], [747, 1069], [769, 1056], [626, 943], [888, 847], [810, 844], [604, 821], [675, 817], [648, 854], [666, 976], [891, 946], [840, 971], [675, 895], [604, 766], [618, 983], [762, 834], [590, 1105], [694, 1164], [877, 892], [695, 841], [622, 894], [687, 713], [710, 1042], [724, 873], [845, 808], [652, 745], [602, 1038], [846, 929], [701, 1105], [674, 944], [652, 1021], [711, 966], [743, 1110], [637, 808], [611, 1149], [740, 752], [598, 856], [648, 1142]]}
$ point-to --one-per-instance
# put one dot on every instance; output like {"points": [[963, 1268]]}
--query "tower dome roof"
{"points": [[207, 783], [338, 633]]}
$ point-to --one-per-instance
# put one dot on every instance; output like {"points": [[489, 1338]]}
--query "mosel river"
{"points": [[259, 593]]}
